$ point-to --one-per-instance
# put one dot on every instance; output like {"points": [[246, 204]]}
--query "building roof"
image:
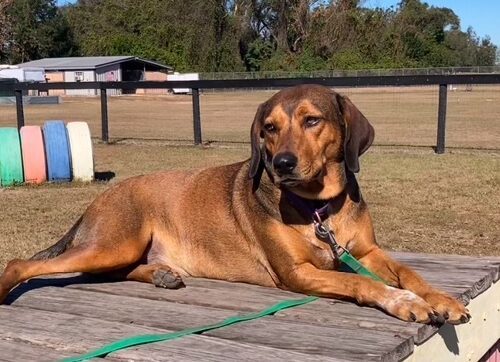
{"points": [[81, 63]]}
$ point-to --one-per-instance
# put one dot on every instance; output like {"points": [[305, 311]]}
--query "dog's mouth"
{"points": [[290, 182], [294, 180]]}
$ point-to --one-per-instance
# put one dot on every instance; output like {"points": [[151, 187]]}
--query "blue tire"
{"points": [[57, 151]]}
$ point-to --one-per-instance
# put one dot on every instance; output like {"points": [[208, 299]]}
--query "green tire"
{"points": [[11, 162]]}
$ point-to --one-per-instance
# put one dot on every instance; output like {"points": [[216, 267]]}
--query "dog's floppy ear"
{"points": [[359, 133], [255, 135]]}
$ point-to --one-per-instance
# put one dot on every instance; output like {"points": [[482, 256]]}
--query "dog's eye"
{"points": [[311, 121], [269, 127]]}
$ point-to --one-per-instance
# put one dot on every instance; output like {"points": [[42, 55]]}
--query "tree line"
{"points": [[243, 35]]}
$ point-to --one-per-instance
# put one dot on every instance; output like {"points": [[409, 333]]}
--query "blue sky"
{"points": [[482, 15]]}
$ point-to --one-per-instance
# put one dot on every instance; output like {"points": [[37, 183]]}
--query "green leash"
{"points": [[350, 264], [151, 338]]}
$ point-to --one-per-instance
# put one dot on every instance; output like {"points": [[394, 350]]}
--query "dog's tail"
{"points": [[61, 246]]}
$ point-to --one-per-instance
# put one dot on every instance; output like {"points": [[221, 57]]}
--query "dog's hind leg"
{"points": [[95, 257], [158, 274]]}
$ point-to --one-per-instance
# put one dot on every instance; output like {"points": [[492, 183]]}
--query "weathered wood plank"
{"points": [[346, 343], [476, 275], [333, 339], [321, 313], [219, 294], [124, 309], [237, 296], [243, 298], [72, 334], [209, 289], [456, 262], [15, 350], [310, 329]]}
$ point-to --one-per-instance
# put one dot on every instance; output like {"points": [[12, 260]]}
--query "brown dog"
{"points": [[241, 222]]}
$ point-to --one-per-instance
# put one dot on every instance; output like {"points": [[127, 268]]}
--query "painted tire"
{"points": [[11, 164], [57, 151], [80, 143], [33, 154]]}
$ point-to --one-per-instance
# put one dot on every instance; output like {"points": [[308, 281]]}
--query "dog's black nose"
{"points": [[284, 163]]}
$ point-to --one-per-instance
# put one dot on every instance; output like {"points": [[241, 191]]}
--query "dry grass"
{"points": [[419, 201], [401, 116]]}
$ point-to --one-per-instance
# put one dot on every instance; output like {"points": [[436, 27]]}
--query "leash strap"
{"points": [[353, 265], [151, 338]]}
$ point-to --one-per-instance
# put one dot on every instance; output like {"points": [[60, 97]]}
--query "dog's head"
{"points": [[311, 137]]}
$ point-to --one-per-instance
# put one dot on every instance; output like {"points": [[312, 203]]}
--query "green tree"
{"points": [[5, 29], [190, 35], [38, 29], [253, 35]]}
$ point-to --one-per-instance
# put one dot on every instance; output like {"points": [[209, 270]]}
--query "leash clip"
{"points": [[321, 231], [324, 233]]}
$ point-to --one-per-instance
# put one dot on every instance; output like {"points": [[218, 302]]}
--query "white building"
{"points": [[99, 69], [28, 74]]}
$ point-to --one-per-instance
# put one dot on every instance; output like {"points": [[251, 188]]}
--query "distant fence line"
{"points": [[350, 81], [351, 73]]}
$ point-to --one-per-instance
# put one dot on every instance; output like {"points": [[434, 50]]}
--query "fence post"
{"points": [[104, 116], [441, 126], [196, 116], [19, 108]]}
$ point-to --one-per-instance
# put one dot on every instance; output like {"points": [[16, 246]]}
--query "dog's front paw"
{"points": [[451, 309], [409, 307]]}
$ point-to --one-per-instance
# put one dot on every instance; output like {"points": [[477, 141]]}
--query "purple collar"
{"points": [[316, 210]]}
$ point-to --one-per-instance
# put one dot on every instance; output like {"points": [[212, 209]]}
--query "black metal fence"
{"points": [[364, 81]]}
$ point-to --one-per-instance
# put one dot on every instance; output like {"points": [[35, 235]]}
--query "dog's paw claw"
{"points": [[436, 318], [464, 319], [167, 279]]}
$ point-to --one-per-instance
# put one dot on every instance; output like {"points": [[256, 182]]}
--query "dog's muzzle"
{"points": [[284, 164]]}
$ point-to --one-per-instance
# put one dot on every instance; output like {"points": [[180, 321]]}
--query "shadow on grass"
{"points": [[104, 176]]}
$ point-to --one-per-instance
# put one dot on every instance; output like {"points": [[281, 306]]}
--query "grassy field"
{"points": [[419, 201], [401, 116]]}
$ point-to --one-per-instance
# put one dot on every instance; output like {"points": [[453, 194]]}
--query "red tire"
{"points": [[33, 150]]}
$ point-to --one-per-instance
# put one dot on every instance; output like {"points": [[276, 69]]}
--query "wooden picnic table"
{"points": [[46, 319]]}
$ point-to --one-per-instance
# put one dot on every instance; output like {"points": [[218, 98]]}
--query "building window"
{"points": [[78, 76]]}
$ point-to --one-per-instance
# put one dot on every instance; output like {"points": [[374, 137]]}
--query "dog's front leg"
{"points": [[306, 278], [401, 276]]}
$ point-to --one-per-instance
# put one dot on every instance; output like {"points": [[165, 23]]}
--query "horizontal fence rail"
{"points": [[17, 89], [369, 81]]}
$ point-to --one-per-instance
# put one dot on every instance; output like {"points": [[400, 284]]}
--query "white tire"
{"points": [[82, 158]]}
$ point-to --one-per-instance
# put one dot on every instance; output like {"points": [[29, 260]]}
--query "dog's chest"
{"points": [[322, 254]]}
